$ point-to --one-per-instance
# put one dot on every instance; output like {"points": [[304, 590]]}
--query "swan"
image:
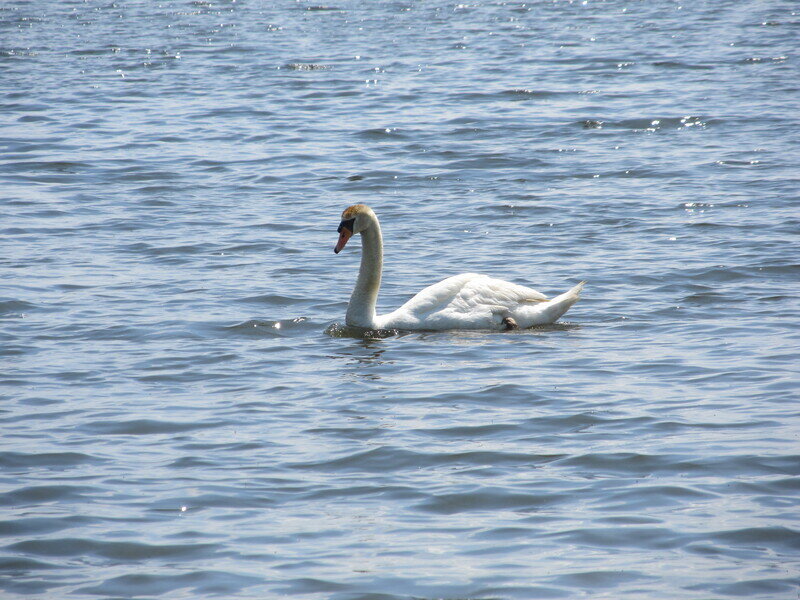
{"points": [[466, 301]]}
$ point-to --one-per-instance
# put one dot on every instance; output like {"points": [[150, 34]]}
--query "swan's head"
{"points": [[355, 219]]}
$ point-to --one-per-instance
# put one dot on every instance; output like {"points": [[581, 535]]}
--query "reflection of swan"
{"points": [[466, 301]]}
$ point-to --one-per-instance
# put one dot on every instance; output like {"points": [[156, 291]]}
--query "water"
{"points": [[176, 422]]}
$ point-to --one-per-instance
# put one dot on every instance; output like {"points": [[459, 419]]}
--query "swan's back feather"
{"points": [[473, 301]]}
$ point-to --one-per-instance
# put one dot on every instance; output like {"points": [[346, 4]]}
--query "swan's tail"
{"points": [[550, 311], [569, 298]]}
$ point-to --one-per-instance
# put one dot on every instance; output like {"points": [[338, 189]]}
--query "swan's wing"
{"points": [[463, 301]]}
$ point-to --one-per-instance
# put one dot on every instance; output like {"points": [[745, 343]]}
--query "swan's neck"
{"points": [[361, 310]]}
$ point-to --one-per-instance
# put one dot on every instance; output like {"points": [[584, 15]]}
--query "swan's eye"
{"points": [[348, 224]]}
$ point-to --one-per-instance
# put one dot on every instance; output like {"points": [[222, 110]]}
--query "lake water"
{"points": [[177, 423]]}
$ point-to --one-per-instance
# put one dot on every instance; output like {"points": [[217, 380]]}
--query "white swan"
{"points": [[466, 301]]}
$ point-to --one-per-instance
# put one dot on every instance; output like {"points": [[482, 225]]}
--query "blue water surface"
{"points": [[181, 415]]}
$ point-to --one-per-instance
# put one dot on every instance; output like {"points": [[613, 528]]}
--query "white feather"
{"points": [[473, 301]]}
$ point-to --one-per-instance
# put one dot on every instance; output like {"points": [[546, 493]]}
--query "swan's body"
{"points": [[466, 301]]}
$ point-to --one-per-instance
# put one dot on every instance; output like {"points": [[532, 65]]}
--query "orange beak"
{"points": [[344, 235]]}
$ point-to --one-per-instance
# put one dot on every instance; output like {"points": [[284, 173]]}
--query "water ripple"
{"points": [[184, 413]]}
